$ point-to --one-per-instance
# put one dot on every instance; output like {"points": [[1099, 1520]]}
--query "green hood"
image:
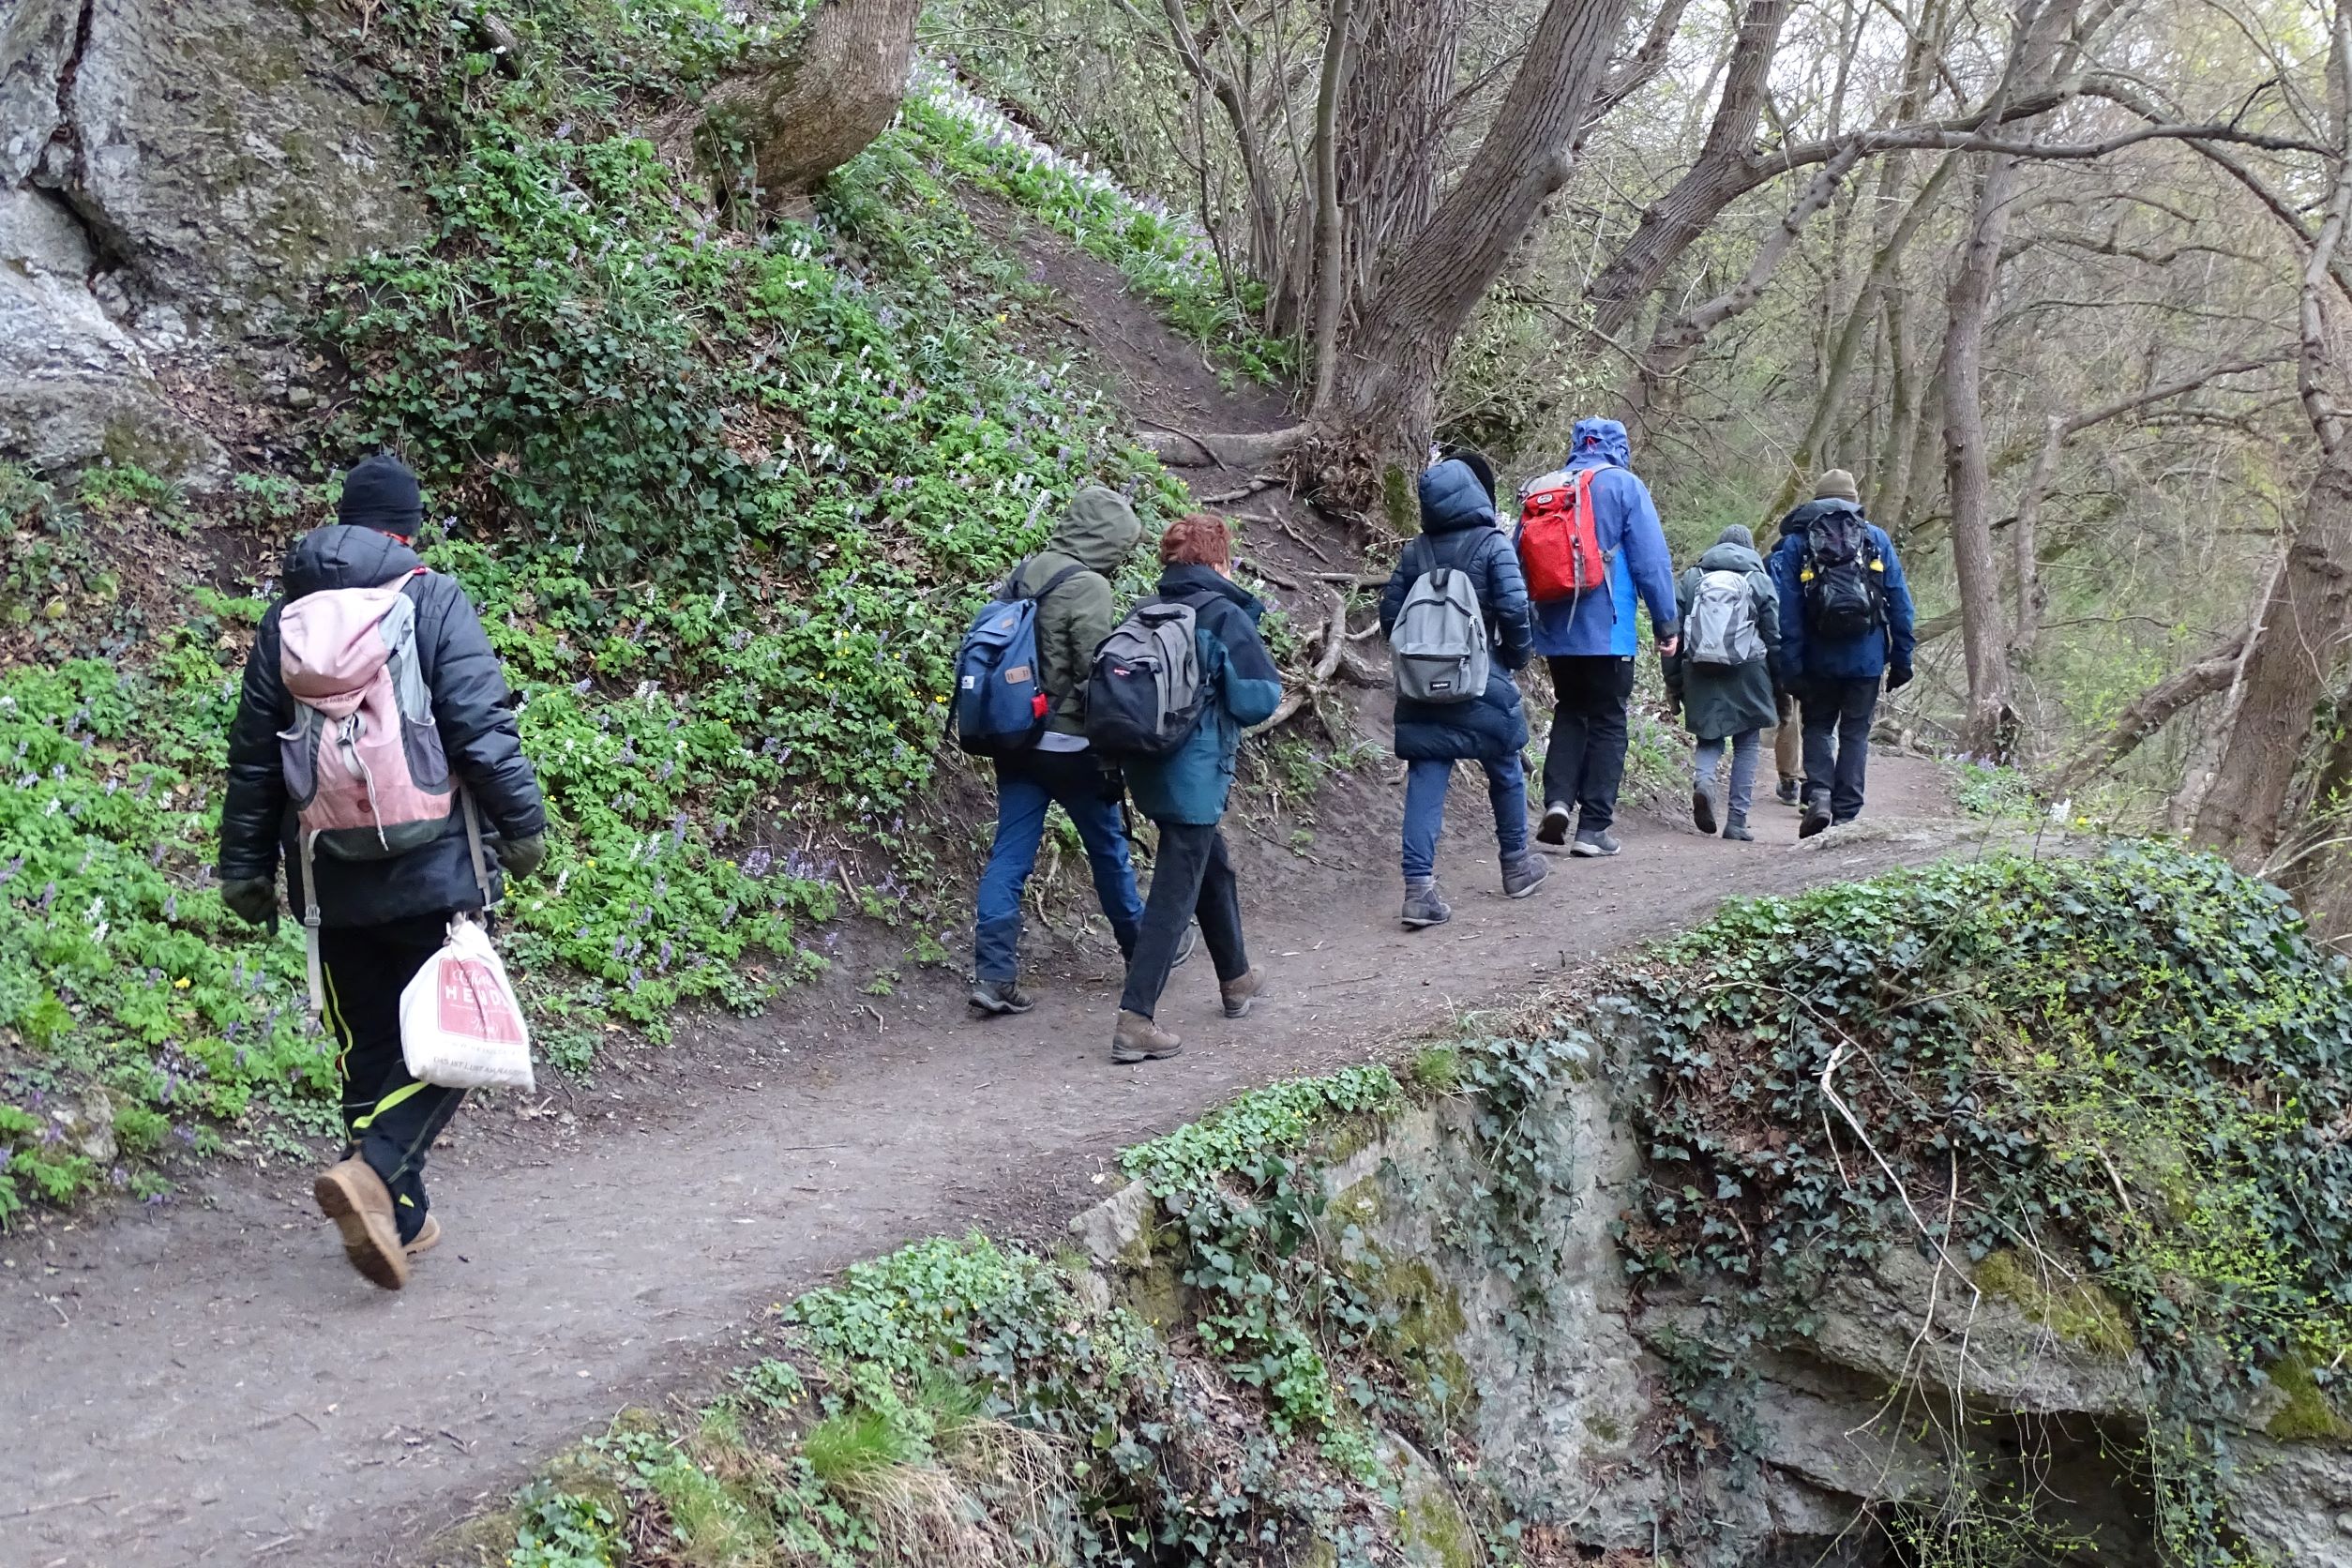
{"points": [[1100, 529]]}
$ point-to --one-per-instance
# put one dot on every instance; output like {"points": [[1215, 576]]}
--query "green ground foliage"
{"points": [[725, 493]]}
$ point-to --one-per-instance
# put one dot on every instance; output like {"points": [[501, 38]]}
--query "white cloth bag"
{"points": [[461, 1026]]}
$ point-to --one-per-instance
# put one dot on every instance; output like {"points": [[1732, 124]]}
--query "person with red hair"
{"points": [[1184, 792]]}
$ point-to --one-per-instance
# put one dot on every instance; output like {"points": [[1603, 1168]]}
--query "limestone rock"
{"points": [[2291, 1501]]}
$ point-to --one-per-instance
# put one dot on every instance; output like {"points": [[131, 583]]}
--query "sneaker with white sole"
{"points": [[1554, 827], [1424, 906], [1523, 876], [1593, 841]]}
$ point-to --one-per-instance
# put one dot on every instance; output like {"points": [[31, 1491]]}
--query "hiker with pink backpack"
{"points": [[375, 752]]}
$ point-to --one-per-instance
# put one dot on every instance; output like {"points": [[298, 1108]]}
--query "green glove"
{"points": [[520, 857], [253, 898]]}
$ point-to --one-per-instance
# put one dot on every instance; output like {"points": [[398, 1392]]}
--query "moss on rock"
{"points": [[2308, 1415], [2080, 1313]]}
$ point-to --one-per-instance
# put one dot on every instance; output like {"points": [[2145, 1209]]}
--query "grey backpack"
{"points": [[1439, 644], [1723, 626], [1144, 696]]}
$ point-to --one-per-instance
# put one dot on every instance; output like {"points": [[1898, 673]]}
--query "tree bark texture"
{"points": [[1392, 122], [1331, 271], [1991, 723], [1382, 404], [835, 85]]}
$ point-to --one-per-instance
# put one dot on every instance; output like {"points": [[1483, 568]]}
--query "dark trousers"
{"points": [[1025, 785], [390, 1118], [1585, 762], [1192, 878], [1837, 718]]}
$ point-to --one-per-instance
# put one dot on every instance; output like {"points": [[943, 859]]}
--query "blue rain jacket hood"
{"points": [[1804, 656], [1457, 525], [1191, 784], [1640, 570]]}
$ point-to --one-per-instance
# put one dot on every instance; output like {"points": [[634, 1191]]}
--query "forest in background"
{"points": [[2062, 282]]}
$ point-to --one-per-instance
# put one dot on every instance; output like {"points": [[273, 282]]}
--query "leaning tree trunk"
{"points": [[1379, 417], [834, 85], [1392, 128]]}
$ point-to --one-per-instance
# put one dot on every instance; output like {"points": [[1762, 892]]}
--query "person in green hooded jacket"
{"points": [[1096, 536]]}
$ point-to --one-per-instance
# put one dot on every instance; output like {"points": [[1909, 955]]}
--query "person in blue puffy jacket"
{"points": [[1588, 642], [1459, 531], [1837, 679]]}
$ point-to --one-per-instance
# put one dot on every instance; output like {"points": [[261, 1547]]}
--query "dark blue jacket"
{"points": [[1457, 528], [1804, 656], [1640, 566], [1243, 688]]}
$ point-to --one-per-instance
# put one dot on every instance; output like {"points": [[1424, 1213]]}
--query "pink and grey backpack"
{"points": [[363, 761]]}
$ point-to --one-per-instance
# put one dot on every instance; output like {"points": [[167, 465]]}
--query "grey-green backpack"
{"points": [[1723, 626], [1144, 696], [1437, 646]]}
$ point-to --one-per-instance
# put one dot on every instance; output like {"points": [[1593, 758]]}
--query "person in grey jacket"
{"points": [[1723, 674]]}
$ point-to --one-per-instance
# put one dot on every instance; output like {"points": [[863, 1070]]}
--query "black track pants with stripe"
{"points": [[391, 1118]]}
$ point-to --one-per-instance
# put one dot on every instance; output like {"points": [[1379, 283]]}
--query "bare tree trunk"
{"points": [[1991, 724], [2153, 710], [835, 86], [1720, 175], [1332, 286], [1393, 124], [1382, 404]]}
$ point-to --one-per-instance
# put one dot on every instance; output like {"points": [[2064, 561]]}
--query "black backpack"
{"points": [[1844, 576]]}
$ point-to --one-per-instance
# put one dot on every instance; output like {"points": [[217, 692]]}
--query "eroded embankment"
{"points": [[1990, 1212]]}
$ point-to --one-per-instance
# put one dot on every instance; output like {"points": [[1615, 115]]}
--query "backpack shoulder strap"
{"points": [[1057, 580]]}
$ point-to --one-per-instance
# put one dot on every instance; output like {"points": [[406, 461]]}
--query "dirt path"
{"points": [[210, 1384]]}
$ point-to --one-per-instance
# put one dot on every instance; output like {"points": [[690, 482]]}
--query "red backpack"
{"points": [[1560, 548]]}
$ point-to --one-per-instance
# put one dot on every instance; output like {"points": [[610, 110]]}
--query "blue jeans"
{"points": [[1025, 786], [1425, 810], [1745, 748]]}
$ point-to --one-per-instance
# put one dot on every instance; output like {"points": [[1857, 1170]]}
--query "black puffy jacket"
{"points": [[1457, 525], [470, 708]]}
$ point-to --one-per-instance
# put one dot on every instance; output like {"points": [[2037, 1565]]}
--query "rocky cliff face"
{"points": [[1920, 1387], [173, 178]]}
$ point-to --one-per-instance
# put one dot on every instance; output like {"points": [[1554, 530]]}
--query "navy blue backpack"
{"points": [[1001, 702]]}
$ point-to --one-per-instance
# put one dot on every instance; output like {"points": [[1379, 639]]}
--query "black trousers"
{"points": [[390, 1120], [1837, 717], [1584, 763], [1192, 878]]}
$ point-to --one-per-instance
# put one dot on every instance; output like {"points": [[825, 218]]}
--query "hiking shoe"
{"points": [[1554, 827], [1594, 841], [1523, 876], [1736, 831], [1703, 811], [1788, 793], [996, 997], [1423, 906], [427, 1237], [1816, 819], [356, 1198], [1243, 990], [1136, 1038]]}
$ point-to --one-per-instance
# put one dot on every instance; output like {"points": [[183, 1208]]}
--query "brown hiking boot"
{"points": [[1139, 1039], [1242, 989], [428, 1237], [356, 1198]]}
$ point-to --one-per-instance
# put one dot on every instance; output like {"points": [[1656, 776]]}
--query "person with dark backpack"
{"points": [[1723, 675], [370, 682], [1456, 615], [1845, 626], [1174, 716], [1021, 700]]}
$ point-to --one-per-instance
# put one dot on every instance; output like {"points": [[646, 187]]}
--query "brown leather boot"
{"points": [[1242, 989], [356, 1198], [1139, 1039], [427, 1237]]}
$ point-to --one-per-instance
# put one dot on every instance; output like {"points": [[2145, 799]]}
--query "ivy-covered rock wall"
{"points": [[1985, 1214]]}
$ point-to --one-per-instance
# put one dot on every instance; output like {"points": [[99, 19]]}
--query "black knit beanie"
{"points": [[1478, 463], [381, 493]]}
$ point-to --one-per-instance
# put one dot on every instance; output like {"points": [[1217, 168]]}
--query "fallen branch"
{"points": [[1333, 642], [2153, 711], [1186, 449], [1256, 483], [1295, 536], [1262, 569]]}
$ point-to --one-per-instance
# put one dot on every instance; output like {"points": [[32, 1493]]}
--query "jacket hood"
{"points": [[1731, 558], [342, 555], [1452, 499], [1801, 518], [1183, 582], [1601, 443], [1099, 529]]}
